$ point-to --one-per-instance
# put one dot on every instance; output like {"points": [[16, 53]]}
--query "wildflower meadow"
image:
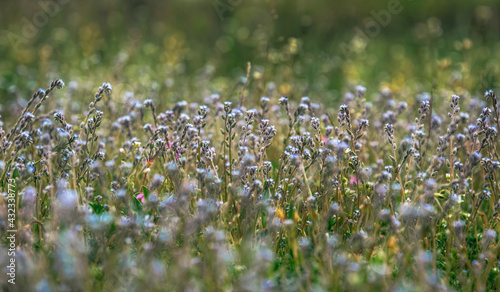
{"points": [[238, 146]]}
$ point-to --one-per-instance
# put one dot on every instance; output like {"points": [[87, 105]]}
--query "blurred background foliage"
{"points": [[187, 49]]}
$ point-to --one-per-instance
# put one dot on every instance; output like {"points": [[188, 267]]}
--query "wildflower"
{"points": [[344, 115], [422, 111], [360, 90], [57, 83], [227, 106], [315, 123], [283, 100], [264, 101]]}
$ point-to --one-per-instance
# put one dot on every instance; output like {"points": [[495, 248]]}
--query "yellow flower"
{"points": [[296, 216], [279, 212]]}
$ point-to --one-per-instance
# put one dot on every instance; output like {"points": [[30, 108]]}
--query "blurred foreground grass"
{"points": [[180, 49]]}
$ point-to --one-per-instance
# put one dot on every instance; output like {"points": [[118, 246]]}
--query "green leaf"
{"points": [[15, 173], [146, 192], [291, 210], [136, 205], [96, 208], [438, 195]]}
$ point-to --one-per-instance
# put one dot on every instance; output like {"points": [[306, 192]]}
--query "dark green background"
{"points": [[187, 42]]}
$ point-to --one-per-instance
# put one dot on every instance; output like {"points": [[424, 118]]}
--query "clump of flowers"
{"points": [[215, 196]]}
